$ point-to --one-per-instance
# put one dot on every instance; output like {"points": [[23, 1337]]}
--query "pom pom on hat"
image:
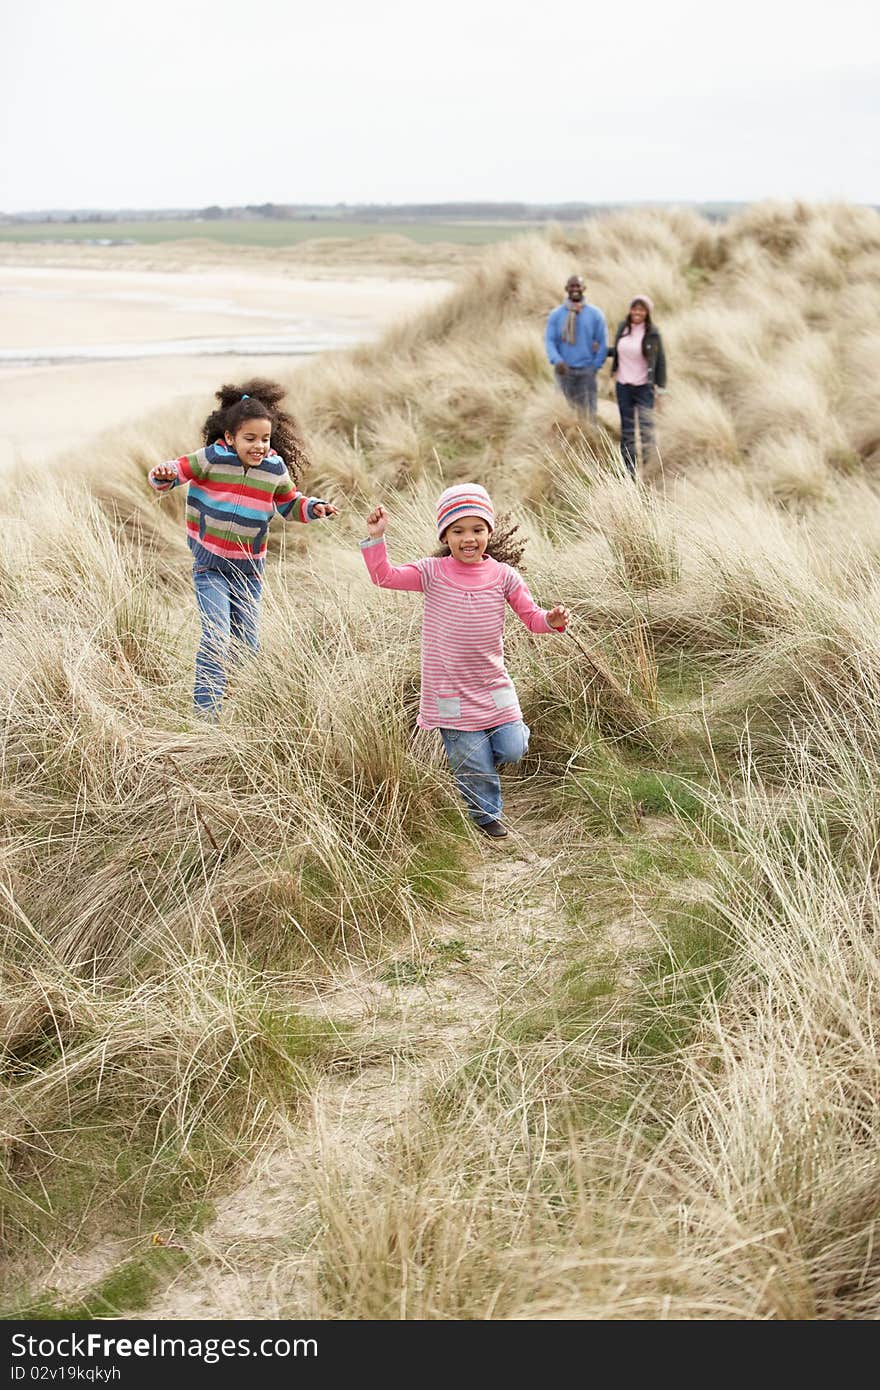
{"points": [[643, 299], [465, 499]]}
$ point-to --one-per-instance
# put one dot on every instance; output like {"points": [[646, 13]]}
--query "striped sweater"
{"points": [[465, 684], [229, 506]]}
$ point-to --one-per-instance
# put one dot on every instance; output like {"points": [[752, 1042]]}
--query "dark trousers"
{"points": [[633, 401]]}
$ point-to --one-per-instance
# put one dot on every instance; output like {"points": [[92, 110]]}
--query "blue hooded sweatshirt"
{"points": [[590, 329]]}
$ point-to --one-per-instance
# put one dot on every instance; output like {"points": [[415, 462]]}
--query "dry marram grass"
{"points": [[703, 1143]]}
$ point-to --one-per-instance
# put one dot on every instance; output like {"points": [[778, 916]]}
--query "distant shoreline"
{"points": [[186, 347], [86, 347], [276, 225]]}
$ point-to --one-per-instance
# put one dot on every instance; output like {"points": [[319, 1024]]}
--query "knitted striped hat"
{"points": [[465, 499]]}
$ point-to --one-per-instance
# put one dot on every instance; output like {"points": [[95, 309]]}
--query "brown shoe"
{"points": [[494, 829]]}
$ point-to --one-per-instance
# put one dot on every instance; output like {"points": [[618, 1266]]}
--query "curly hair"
{"points": [[262, 402], [504, 544]]}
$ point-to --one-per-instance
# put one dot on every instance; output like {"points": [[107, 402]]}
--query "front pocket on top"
{"points": [[449, 706], [503, 696]]}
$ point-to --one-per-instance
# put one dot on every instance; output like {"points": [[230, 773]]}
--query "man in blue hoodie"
{"points": [[577, 345]]}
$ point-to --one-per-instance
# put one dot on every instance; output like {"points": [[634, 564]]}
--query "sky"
{"points": [[183, 103]]}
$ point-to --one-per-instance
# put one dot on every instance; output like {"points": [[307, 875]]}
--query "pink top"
{"points": [[465, 684], [632, 367]]}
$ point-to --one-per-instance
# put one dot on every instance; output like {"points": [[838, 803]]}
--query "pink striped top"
{"points": [[465, 684]]}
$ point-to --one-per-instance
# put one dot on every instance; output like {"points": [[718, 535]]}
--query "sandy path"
{"points": [[260, 1256]]}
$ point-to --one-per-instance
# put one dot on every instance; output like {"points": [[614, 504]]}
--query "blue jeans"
{"points": [[635, 401], [474, 755], [229, 608], [579, 389]]}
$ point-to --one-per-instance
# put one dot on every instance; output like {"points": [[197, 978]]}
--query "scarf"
{"points": [[570, 329]]}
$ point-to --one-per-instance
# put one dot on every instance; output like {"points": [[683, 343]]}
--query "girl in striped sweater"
{"points": [[466, 691], [245, 473]]}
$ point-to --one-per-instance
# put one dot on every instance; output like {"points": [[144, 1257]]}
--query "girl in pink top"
{"points": [[466, 690]]}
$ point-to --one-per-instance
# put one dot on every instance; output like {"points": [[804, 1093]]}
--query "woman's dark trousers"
{"points": [[632, 402]]}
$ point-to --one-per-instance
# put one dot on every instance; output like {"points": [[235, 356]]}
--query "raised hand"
{"points": [[559, 617], [377, 522]]}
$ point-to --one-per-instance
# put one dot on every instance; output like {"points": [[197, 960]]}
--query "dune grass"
{"points": [[683, 1128]]}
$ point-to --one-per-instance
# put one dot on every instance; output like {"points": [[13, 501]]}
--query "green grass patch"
{"points": [[611, 788], [127, 1290], [436, 863], [303, 901], [404, 973], [601, 801], [454, 952], [697, 279], [301, 1039], [663, 794], [596, 786], [574, 1010], [652, 861], [688, 969], [559, 1044], [438, 958], [270, 233]]}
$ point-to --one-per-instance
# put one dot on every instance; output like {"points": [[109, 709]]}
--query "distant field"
{"points": [[264, 233]]}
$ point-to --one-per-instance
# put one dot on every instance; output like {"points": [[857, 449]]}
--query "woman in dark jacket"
{"points": [[638, 370]]}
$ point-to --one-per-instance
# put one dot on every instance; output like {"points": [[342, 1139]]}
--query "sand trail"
{"points": [[260, 1256]]}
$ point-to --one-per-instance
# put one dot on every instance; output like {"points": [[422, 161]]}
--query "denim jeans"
{"points": [[635, 401], [579, 389], [475, 754], [229, 607]]}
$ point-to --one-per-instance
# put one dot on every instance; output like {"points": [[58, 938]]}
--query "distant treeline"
{"points": [[355, 212]]}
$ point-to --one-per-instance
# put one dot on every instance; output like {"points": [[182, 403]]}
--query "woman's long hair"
{"points": [[649, 324]]}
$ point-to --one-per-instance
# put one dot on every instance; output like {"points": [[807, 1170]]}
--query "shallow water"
{"points": [[86, 350], [296, 340], [66, 316]]}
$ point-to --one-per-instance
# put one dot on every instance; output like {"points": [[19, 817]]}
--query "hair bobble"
{"points": [[245, 397]]}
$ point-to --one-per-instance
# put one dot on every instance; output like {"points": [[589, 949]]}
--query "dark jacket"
{"points": [[652, 347]]}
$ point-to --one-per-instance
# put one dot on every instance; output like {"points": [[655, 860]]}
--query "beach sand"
{"points": [[45, 410], [189, 323]]}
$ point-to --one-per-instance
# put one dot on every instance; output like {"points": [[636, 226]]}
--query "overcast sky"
{"points": [[187, 102]]}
